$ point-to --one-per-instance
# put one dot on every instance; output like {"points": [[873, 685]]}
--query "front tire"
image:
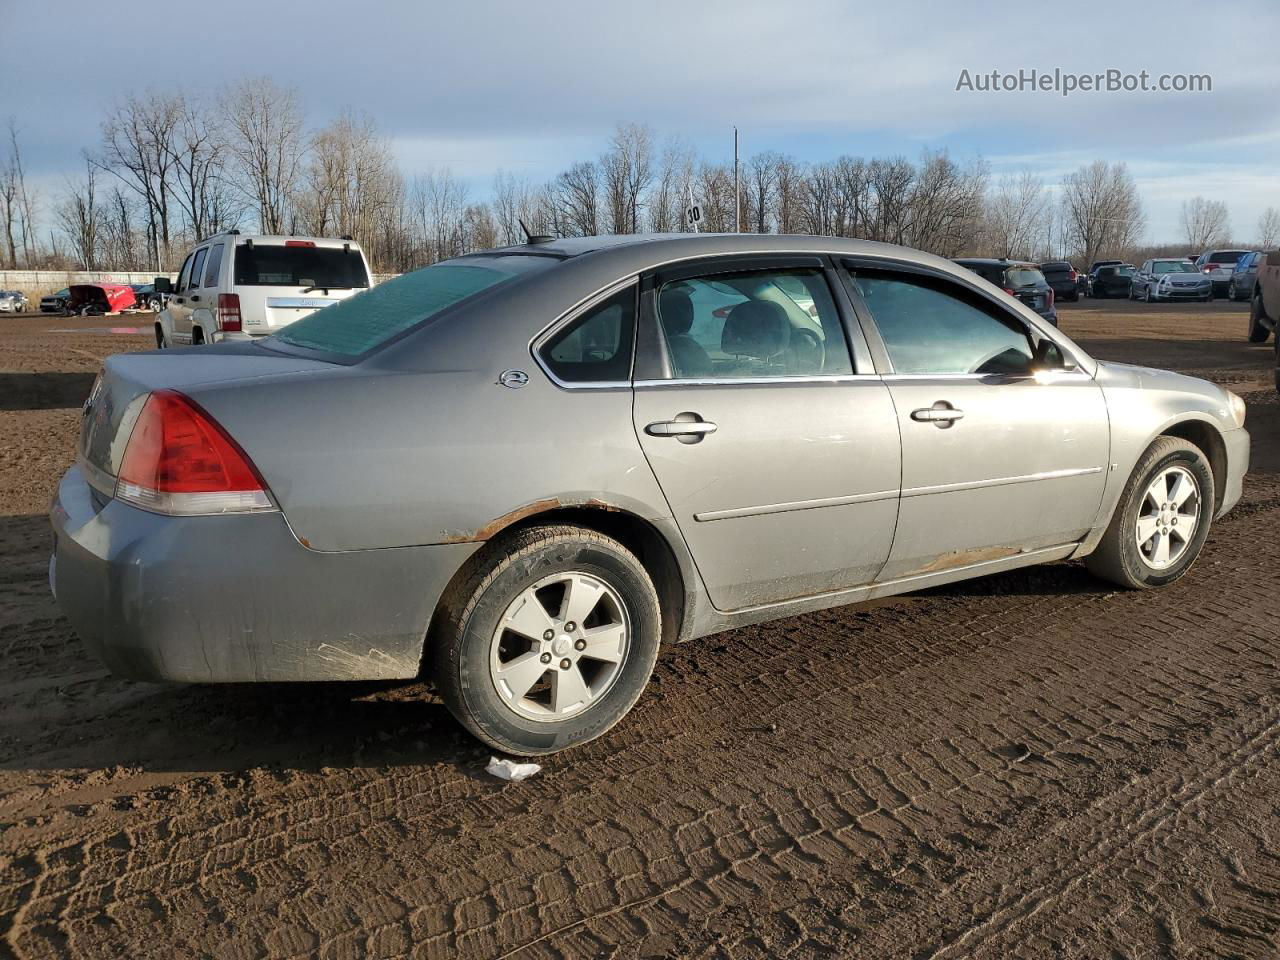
{"points": [[1162, 519], [1257, 332], [549, 641]]}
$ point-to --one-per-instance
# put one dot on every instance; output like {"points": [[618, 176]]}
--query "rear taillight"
{"points": [[229, 313], [1051, 298], [1074, 276], [1008, 290], [180, 461]]}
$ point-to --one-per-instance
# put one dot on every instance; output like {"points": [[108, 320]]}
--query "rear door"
{"points": [[996, 460], [778, 456], [283, 281]]}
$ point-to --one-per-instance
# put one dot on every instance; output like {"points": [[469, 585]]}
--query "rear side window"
{"points": [[355, 326], [935, 328], [596, 346], [758, 324], [211, 267], [279, 265]]}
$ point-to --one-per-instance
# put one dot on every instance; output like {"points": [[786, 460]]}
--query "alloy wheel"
{"points": [[1168, 517], [560, 646]]}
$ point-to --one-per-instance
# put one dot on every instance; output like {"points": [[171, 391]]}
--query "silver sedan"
{"points": [[522, 471]]}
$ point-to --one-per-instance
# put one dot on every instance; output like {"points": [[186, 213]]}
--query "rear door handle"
{"points": [[939, 415], [687, 428]]}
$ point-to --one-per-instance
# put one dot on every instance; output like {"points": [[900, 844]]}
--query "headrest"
{"points": [[676, 308], [756, 328]]}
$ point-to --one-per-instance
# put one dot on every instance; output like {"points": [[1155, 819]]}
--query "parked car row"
{"points": [[13, 301], [1025, 282]]}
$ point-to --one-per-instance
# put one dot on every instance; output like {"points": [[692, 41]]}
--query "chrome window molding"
{"points": [[547, 332], [999, 481], [741, 381]]}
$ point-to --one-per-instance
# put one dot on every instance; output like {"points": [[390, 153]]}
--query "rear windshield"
{"points": [[1023, 276], [355, 326], [1226, 256], [1057, 266], [275, 265], [1172, 266]]}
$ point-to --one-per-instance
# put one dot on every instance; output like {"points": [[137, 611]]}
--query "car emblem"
{"points": [[515, 379]]}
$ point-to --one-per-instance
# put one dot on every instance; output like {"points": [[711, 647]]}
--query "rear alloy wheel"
{"points": [[1258, 332], [1162, 519], [549, 642]]}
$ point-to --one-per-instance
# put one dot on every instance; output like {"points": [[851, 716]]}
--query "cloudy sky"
{"points": [[531, 87]]}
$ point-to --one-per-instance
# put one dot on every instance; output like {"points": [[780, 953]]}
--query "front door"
{"points": [[781, 467], [997, 459]]}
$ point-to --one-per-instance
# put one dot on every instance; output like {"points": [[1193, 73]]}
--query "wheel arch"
{"points": [[1208, 438], [667, 564]]}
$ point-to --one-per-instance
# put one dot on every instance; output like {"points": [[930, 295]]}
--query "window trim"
{"points": [[572, 314]]}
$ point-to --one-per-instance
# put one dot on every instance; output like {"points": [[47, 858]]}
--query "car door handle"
{"points": [[937, 415], [687, 427]]}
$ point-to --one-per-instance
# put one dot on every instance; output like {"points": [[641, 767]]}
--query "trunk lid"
{"points": [[112, 408]]}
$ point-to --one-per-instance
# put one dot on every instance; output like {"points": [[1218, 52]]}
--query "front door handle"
{"points": [[686, 427], [941, 414]]}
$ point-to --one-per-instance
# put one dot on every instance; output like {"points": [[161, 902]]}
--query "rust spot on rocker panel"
{"points": [[964, 558]]}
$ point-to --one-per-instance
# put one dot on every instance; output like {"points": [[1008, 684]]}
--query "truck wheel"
{"points": [[549, 642], [1258, 333], [1162, 519]]}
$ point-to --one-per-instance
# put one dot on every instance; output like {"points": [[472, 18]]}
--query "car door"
{"points": [[1140, 280], [179, 309], [778, 456], [997, 458]]}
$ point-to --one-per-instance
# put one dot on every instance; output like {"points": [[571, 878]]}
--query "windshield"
{"points": [[368, 320], [275, 265], [1172, 266], [1023, 276], [1125, 271]]}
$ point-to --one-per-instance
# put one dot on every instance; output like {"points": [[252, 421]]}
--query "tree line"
{"points": [[170, 168]]}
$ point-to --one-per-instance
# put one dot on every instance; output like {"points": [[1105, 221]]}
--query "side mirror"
{"points": [[1048, 356], [163, 285]]}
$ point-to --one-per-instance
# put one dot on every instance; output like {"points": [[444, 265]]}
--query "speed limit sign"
{"points": [[693, 215]]}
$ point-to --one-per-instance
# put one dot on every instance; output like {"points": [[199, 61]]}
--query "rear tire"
{"points": [[1258, 333], [527, 580], [1122, 556]]}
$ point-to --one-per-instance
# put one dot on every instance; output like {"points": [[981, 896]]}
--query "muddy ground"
{"points": [[1028, 765]]}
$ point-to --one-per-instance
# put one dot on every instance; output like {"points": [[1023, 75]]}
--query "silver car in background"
{"points": [[1218, 266], [1170, 279], [13, 301], [522, 471]]}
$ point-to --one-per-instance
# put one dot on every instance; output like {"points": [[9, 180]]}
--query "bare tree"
{"points": [[1101, 210], [78, 216], [10, 210], [890, 180], [1204, 223], [138, 147], [577, 199], [268, 144], [670, 194], [627, 168], [1269, 228], [439, 201], [200, 155], [761, 193], [353, 186], [945, 203], [1016, 212], [789, 190]]}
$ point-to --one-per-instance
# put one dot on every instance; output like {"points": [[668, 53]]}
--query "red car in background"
{"points": [[97, 299]]}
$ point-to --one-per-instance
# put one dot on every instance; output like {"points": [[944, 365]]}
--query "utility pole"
{"points": [[737, 190]]}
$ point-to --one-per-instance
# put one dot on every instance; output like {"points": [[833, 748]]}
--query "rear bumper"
{"points": [[237, 598]]}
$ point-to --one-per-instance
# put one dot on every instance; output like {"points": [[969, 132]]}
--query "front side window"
{"points": [[767, 323], [196, 266], [596, 346], [182, 277], [935, 328]]}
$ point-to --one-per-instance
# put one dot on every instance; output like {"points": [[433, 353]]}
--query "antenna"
{"points": [[530, 237]]}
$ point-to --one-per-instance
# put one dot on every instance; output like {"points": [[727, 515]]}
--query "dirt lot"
{"points": [[1029, 765]]}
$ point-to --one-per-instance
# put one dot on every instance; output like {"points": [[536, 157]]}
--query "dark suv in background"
{"points": [[1022, 281], [1113, 280], [1064, 279]]}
